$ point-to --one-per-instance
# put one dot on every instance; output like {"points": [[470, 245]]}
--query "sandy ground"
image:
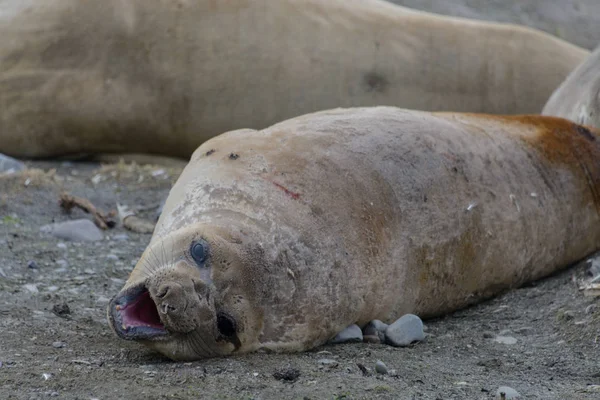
{"points": [[55, 342], [48, 352]]}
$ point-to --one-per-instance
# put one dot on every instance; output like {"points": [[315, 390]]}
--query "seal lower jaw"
{"points": [[133, 315]]}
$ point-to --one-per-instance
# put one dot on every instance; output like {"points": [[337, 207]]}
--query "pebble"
{"points": [[509, 393], [505, 340], [351, 334], [61, 309], [31, 287], [121, 237], [61, 245], [112, 257], [58, 345], [328, 362], [406, 330], [592, 308], [32, 265], [371, 339], [79, 230], [488, 335], [376, 328], [102, 300], [10, 165], [381, 368]]}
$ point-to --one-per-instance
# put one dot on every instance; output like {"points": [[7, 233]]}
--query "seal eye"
{"points": [[226, 325], [199, 252]]}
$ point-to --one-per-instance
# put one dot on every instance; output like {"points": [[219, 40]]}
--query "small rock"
{"points": [[31, 287], [594, 269], [507, 393], [351, 334], [565, 315], [61, 245], [10, 165], [376, 328], [54, 394], [102, 300], [406, 330], [58, 345], [79, 230], [505, 339], [371, 339], [488, 335], [112, 257], [363, 369], [62, 310], [381, 368], [328, 362], [287, 374], [62, 263], [121, 237], [591, 309], [32, 265]]}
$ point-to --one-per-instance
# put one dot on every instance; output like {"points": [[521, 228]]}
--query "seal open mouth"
{"points": [[134, 315]]}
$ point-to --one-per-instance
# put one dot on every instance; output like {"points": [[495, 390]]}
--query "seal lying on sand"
{"points": [[578, 97], [279, 239], [156, 76]]}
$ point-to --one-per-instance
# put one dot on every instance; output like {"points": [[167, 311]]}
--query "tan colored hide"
{"points": [[578, 97], [162, 76], [346, 216]]}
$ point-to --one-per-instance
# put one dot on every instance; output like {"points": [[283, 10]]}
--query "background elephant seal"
{"points": [[162, 76], [578, 97], [279, 239]]}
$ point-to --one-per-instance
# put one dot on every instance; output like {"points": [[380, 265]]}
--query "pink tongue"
{"points": [[142, 312]]}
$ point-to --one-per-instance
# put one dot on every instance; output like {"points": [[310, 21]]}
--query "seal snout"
{"points": [[170, 299]]}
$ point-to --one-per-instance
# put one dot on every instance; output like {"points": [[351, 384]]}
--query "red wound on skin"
{"points": [[293, 195]]}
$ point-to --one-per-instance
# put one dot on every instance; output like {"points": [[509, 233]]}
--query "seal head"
{"points": [[185, 299]]}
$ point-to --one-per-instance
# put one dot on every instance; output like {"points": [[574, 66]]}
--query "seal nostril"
{"points": [[226, 325], [162, 292]]}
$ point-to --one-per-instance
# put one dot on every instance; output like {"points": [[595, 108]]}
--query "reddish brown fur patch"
{"points": [[564, 142]]}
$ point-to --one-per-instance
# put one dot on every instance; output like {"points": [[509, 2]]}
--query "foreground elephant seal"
{"points": [[163, 76], [578, 97], [279, 239]]}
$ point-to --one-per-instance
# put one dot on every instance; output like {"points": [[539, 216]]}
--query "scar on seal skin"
{"points": [[236, 264]]}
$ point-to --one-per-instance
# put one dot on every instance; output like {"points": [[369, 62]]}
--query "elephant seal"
{"points": [[278, 239], [578, 97], [163, 76]]}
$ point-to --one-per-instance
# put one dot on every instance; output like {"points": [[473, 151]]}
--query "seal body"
{"points": [[578, 97], [163, 76], [350, 215]]}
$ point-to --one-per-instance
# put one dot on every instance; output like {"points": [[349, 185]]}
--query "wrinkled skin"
{"points": [[578, 97], [350, 215], [163, 76]]}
